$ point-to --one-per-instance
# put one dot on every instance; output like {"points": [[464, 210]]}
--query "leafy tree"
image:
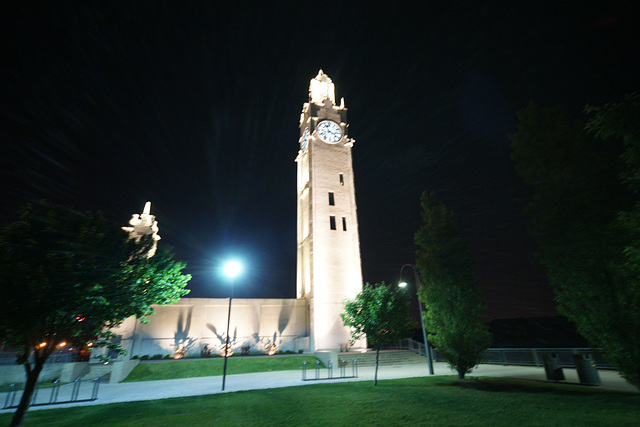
{"points": [[580, 220], [67, 277], [451, 297], [612, 123], [381, 314]]}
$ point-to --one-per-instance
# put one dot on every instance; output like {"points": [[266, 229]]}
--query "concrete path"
{"points": [[162, 389]]}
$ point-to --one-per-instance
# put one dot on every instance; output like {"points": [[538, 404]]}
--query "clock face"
{"points": [[329, 131], [305, 139]]}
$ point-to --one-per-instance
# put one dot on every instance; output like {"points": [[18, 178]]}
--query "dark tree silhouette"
{"points": [[68, 276]]}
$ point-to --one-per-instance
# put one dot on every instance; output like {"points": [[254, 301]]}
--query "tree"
{"points": [[450, 294], [68, 277], [582, 221], [381, 314], [615, 123]]}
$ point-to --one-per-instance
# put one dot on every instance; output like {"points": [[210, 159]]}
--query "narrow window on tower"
{"points": [[344, 224], [332, 222], [341, 179], [332, 201]]}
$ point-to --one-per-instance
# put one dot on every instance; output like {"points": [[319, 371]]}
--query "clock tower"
{"points": [[328, 258]]}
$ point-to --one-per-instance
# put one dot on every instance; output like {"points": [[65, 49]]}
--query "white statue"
{"points": [[144, 224]]}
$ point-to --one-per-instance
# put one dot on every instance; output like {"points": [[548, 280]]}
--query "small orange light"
{"points": [[42, 344], [62, 344]]}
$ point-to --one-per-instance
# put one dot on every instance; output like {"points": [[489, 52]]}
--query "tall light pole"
{"points": [[424, 332], [231, 270]]}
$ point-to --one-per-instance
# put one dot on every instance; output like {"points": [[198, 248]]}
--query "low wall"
{"points": [[73, 370], [326, 356], [17, 374], [192, 323], [121, 369], [66, 372]]}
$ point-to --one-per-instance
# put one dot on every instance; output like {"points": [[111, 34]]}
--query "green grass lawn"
{"points": [[415, 401], [186, 368]]}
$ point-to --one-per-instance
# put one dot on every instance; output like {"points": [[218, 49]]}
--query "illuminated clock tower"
{"points": [[328, 260]]}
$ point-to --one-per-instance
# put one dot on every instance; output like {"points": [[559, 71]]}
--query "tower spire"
{"points": [[320, 88]]}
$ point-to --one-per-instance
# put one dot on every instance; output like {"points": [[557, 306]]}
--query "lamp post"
{"points": [[231, 270], [424, 332]]}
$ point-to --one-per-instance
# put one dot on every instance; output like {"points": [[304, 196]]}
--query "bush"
{"points": [[156, 357], [205, 351], [135, 357], [145, 357], [169, 356], [300, 351]]}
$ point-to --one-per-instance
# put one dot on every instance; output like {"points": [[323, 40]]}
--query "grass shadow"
{"points": [[511, 385]]}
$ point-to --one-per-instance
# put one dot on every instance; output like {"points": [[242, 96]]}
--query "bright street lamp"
{"points": [[424, 332], [231, 270]]}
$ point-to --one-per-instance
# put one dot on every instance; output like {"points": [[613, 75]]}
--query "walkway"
{"points": [[162, 389]]}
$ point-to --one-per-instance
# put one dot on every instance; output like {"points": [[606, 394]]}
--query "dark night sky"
{"points": [[195, 107]]}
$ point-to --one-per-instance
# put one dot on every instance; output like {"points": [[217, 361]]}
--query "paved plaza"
{"points": [[163, 389]]}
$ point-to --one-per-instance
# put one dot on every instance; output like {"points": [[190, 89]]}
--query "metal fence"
{"points": [[517, 356], [535, 356]]}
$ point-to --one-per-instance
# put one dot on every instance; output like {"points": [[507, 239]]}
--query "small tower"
{"points": [[143, 224], [328, 257]]}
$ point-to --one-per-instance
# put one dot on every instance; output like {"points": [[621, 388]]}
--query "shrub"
{"points": [[245, 349], [205, 351], [145, 357], [156, 357], [135, 357], [169, 356]]}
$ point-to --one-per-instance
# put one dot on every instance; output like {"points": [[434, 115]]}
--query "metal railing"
{"points": [[420, 348], [517, 356], [535, 356]]}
